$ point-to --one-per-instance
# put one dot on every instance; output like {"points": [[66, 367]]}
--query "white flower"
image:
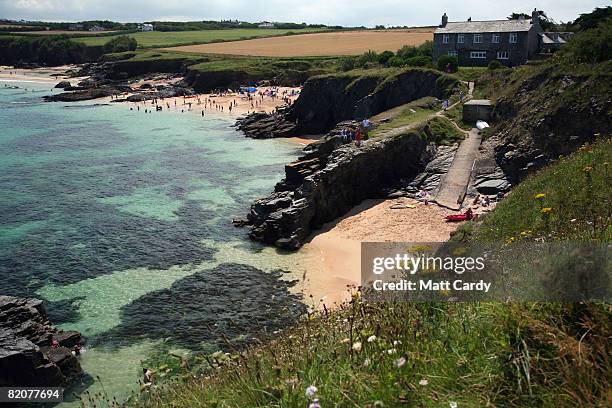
{"points": [[366, 362], [452, 404], [423, 382], [391, 351], [315, 404], [399, 363], [357, 346], [345, 340], [396, 342], [311, 390], [371, 338]]}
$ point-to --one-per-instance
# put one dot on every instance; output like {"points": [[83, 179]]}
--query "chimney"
{"points": [[444, 20], [535, 16]]}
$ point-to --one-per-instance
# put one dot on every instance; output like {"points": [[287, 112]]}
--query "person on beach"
{"points": [[358, 136]]}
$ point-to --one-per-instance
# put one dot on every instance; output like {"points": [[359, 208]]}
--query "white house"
{"points": [[266, 24], [146, 27]]}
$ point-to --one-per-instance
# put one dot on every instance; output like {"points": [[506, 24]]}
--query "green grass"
{"points": [[410, 114], [441, 131], [456, 115], [577, 189], [157, 39]]}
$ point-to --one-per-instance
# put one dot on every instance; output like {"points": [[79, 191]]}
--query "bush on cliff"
{"points": [[121, 43], [447, 64], [45, 50], [591, 46]]}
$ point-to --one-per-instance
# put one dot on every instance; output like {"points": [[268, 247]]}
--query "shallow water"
{"points": [[120, 220]]}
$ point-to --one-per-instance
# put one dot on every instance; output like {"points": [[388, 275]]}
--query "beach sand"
{"points": [[335, 250], [52, 75]]}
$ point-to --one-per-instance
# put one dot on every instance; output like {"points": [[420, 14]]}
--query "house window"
{"points": [[477, 38], [503, 55], [445, 39], [495, 39], [452, 53], [478, 54], [460, 38], [513, 38]]}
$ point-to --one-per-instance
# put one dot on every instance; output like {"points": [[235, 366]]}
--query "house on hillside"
{"points": [[266, 24], [476, 43], [76, 27], [551, 42], [146, 27], [96, 28]]}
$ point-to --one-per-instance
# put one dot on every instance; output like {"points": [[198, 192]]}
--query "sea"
{"points": [[121, 221]]}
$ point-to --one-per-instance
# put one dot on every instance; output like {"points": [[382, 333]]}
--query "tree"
{"points": [[546, 23], [592, 19], [495, 64], [418, 61], [396, 61], [591, 46]]}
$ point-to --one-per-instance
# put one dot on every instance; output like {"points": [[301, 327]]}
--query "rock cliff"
{"points": [[27, 357], [329, 99], [331, 178]]}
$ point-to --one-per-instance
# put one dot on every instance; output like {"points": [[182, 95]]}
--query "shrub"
{"points": [[447, 63], [370, 56], [347, 64], [495, 64], [384, 57], [419, 61], [591, 46], [121, 43], [396, 61]]}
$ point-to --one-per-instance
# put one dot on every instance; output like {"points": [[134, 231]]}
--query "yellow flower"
{"points": [[540, 196], [546, 210], [587, 169]]}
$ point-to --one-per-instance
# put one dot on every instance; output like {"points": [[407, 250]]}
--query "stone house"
{"points": [[476, 43]]}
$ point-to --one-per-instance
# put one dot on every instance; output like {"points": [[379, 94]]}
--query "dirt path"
{"points": [[455, 181]]}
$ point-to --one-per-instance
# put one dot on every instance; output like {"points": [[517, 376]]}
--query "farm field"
{"points": [[174, 38], [319, 44]]}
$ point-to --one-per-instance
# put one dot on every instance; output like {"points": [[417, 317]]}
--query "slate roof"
{"points": [[494, 26]]}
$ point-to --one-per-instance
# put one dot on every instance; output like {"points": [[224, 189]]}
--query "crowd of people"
{"points": [[356, 133]]}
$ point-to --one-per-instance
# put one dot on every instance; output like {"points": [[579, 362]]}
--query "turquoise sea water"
{"points": [[121, 221]]}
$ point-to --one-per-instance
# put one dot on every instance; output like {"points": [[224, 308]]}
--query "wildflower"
{"points": [[399, 363], [367, 362], [540, 196], [546, 210], [452, 404], [587, 169], [357, 346], [344, 341], [315, 404], [378, 404], [291, 381], [573, 220], [423, 382], [396, 342], [311, 390], [391, 351], [371, 338]]}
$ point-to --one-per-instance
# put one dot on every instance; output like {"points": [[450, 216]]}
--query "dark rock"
{"points": [[83, 95], [26, 355], [63, 85], [331, 178]]}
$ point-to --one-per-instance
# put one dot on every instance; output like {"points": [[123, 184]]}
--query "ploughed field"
{"points": [[174, 38], [318, 44]]}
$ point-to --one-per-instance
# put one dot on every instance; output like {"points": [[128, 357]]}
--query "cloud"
{"points": [[342, 12]]}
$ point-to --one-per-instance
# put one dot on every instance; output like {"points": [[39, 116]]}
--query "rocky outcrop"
{"points": [[80, 95], [331, 178], [63, 85], [329, 99], [27, 357], [550, 113]]}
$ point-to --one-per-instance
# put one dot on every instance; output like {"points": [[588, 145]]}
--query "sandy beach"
{"points": [[335, 250], [52, 75]]}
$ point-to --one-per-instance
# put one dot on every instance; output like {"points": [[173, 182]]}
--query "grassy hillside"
{"points": [[155, 39], [431, 355]]}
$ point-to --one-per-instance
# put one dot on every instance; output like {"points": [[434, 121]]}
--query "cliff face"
{"points": [[329, 180], [327, 100], [549, 111], [26, 355]]}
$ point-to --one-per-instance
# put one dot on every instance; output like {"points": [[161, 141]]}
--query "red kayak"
{"points": [[467, 216]]}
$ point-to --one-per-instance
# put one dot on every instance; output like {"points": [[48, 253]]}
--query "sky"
{"points": [[332, 12]]}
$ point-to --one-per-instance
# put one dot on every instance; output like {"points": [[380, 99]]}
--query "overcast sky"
{"points": [[331, 12]]}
